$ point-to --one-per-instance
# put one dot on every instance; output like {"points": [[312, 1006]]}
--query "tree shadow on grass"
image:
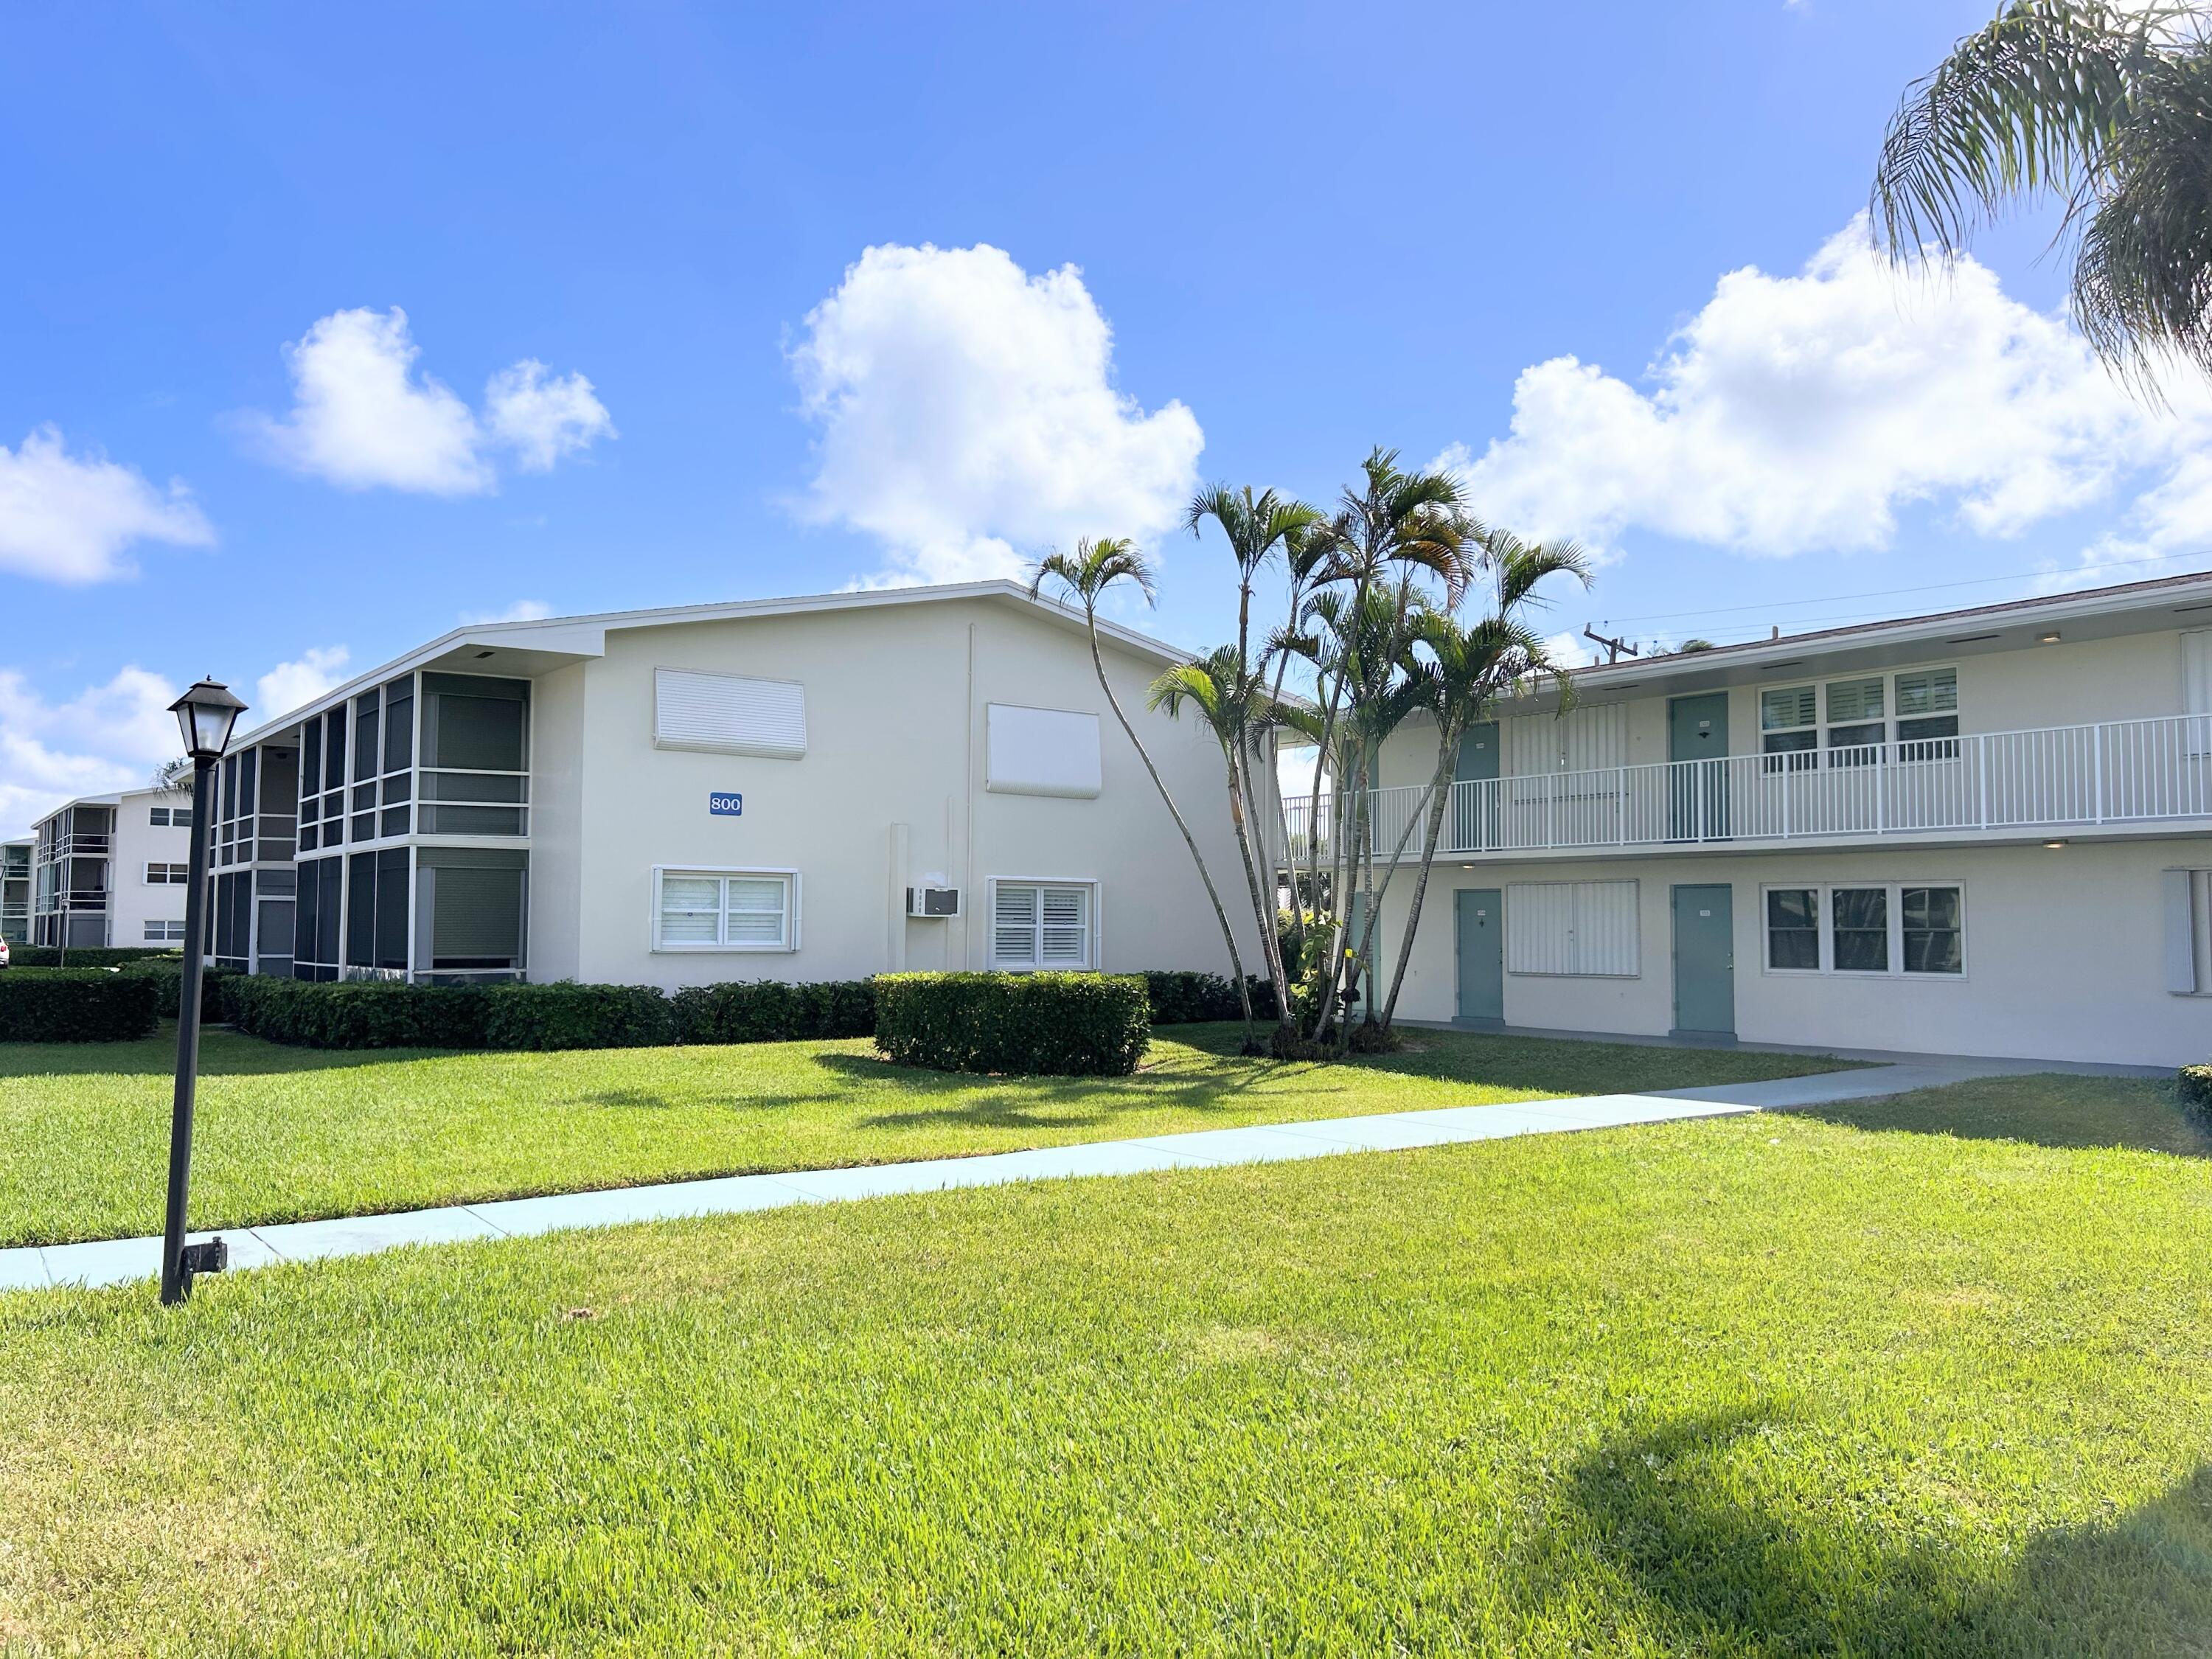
{"points": [[2053, 1109], [1004, 1102], [1713, 1570], [222, 1054]]}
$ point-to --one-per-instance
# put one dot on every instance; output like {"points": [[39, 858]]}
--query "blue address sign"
{"points": [[726, 804]]}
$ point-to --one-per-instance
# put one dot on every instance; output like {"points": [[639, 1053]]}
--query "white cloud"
{"points": [[1799, 413], [307, 677], [542, 418], [107, 737], [1569, 650], [969, 416], [362, 417], [520, 610], [70, 518]]}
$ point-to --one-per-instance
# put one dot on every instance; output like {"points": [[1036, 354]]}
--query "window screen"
{"points": [[475, 919], [1041, 925], [1933, 936], [1793, 928], [1862, 929]]}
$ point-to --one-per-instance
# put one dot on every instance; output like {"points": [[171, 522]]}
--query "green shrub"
{"points": [[565, 1015], [767, 1010], [2195, 1086], [91, 955], [75, 1004], [167, 974], [1185, 998], [1054, 1024], [358, 1014]]}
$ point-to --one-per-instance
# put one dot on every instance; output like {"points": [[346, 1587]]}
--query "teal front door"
{"points": [[1697, 785], [1474, 823], [1479, 919], [1704, 961]]}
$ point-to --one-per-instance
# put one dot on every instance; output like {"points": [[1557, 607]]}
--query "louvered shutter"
{"points": [[1931, 691], [1785, 708], [1065, 935], [1013, 925]]}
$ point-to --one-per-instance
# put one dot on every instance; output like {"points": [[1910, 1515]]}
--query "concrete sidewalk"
{"points": [[119, 1260]]}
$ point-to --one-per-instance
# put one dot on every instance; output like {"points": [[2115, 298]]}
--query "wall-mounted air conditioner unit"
{"points": [[932, 902]]}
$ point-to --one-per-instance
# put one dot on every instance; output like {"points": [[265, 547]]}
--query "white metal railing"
{"points": [[2052, 778]]}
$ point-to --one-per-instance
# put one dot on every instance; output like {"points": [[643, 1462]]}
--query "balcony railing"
{"points": [[2064, 777]]}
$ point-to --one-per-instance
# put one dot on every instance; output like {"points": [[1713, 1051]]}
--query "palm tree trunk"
{"points": [[1228, 934], [1440, 799]]}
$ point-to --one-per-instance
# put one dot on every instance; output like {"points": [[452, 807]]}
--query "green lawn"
{"points": [[286, 1134], [2050, 1109], [1737, 1387]]}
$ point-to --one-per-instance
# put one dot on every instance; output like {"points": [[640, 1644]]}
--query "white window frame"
{"points": [[170, 932], [1821, 726], [688, 947], [1095, 952], [1826, 891], [146, 873]]}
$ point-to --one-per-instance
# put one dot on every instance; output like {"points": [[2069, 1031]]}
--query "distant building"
{"points": [[111, 870], [16, 890]]}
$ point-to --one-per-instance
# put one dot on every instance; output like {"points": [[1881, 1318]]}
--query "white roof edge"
{"points": [[1934, 625], [586, 636]]}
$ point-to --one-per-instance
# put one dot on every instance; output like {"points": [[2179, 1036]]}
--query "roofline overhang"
{"points": [[581, 637]]}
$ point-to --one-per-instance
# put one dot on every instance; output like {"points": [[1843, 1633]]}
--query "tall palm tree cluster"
{"points": [[1399, 612]]}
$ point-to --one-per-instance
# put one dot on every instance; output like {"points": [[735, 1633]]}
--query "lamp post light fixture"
{"points": [[205, 715]]}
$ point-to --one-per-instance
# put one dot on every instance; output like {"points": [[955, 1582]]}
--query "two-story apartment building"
{"points": [[16, 890], [111, 870], [801, 789], [1988, 831]]}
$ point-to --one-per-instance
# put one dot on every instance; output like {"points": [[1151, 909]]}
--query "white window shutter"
{"points": [[2197, 671], [1040, 751], [1013, 924], [1577, 928], [2180, 891], [728, 714], [1065, 937]]}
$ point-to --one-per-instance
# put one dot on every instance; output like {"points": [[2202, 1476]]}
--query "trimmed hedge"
{"points": [[2195, 1086], [565, 1015], [1185, 998], [91, 955], [76, 1004], [1053, 1024], [167, 974], [358, 1014], [767, 1010]]}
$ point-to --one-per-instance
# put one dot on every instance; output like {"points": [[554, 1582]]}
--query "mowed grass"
{"points": [[1747, 1386], [285, 1135]]}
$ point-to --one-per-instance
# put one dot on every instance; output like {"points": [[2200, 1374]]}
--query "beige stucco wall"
{"points": [[2068, 684], [2064, 954], [894, 710], [132, 903]]}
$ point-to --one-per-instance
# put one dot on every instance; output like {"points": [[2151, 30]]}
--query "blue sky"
{"points": [[1119, 249]]}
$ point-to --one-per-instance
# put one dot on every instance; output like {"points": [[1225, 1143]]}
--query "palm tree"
{"points": [[1256, 527], [1223, 695], [1391, 531], [2108, 109], [1465, 670], [1095, 567]]}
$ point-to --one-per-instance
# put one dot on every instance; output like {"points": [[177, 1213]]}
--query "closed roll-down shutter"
{"points": [[1581, 740], [728, 714], [1040, 751], [1584, 928]]}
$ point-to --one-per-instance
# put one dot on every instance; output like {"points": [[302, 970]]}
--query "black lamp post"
{"points": [[206, 714]]}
